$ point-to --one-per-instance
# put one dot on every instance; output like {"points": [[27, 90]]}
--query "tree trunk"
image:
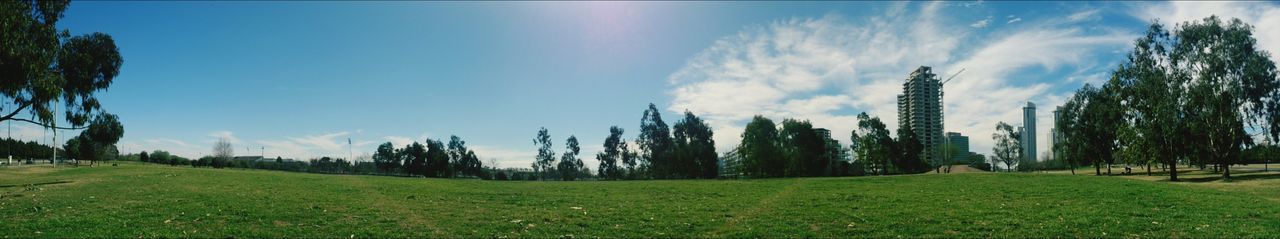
{"points": [[1173, 172], [1226, 171], [1097, 169], [1148, 168], [1073, 169], [1108, 169]]}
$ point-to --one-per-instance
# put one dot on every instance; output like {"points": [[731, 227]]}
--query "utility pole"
{"points": [[54, 144]]}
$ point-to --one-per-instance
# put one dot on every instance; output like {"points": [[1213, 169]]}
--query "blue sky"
{"points": [[299, 78]]}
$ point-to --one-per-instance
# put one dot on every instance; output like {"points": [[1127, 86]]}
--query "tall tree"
{"points": [[760, 150], [437, 159], [911, 157], [876, 149], [1156, 97], [1099, 121], [96, 142], [656, 144], [570, 166], [414, 157], [385, 158], [609, 157], [1232, 85], [1070, 146], [803, 149], [222, 149], [458, 161], [42, 64], [695, 148], [1008, 148], [542, 162]]}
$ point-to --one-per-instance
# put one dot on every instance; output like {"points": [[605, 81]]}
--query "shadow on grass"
{"points": [[1234, 177]]}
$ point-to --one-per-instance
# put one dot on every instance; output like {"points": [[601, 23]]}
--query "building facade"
{"points": [[920, 108], [961, 145], [1029, 131]]}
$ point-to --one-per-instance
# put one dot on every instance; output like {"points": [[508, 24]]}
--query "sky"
{"points": [[298, 79]]}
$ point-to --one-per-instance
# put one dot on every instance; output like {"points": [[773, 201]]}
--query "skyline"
{"points": [[316, 73]]}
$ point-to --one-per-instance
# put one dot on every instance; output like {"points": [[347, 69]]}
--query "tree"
{"points": [[609, 157], [42, 65], [1008, 148], [570, 166], [101, 137], [656, 144], [222, 152], [437, 159], [875, 148], [761, 154], [1070, 147], [414, 157], [802, 148], [144, 157], [462, 160], [695, 148], [542, 162], [911, 152], [1155, 97], [385, 158], [1232, 84]]}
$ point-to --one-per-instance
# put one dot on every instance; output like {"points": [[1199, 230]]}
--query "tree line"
{"points": [[1197, 94], [685, 150], [434, 159]]}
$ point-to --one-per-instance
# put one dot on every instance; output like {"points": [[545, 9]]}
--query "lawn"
{"points": [[140, 200]]}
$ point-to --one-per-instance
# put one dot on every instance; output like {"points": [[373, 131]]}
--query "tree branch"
{"points": [[15, 111], [49, 126]]}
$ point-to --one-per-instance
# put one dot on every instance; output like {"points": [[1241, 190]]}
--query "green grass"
{"points": [[137, 200]]}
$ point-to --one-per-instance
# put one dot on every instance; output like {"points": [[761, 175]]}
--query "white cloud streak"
{"points": [[827, 69]]}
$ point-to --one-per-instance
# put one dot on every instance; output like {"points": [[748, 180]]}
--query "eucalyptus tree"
{"points": [[875, 148], [695, 148], [656, 145], [802, 148], [611, 155], [760, 149], [570, 165], [542, 162], [44, 65], [1232, 85], [1007, 149]]}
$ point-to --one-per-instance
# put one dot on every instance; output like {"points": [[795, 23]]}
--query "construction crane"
{"points": [[942, 119]]}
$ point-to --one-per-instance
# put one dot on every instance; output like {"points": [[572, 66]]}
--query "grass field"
{"points": [[138, 200]]}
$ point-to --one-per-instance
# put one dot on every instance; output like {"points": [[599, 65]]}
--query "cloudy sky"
{"points": [[299, 79]]}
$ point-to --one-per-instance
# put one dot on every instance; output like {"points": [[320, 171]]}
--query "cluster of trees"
{"points": [[878, 153], [794, 151], [434, 159], [1190, 95], [26, 150], [685, 150], [160, 157]]}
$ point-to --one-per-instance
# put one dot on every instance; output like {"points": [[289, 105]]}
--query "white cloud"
{"points": [[312, 146], [981, 23], [1264, 16], [1087, 15], [827, 69], [224, 134], [1016, 19]]}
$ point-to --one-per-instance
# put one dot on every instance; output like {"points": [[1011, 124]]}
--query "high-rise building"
{"points": [[920, 108], [1029, 131], [961, 145]]}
